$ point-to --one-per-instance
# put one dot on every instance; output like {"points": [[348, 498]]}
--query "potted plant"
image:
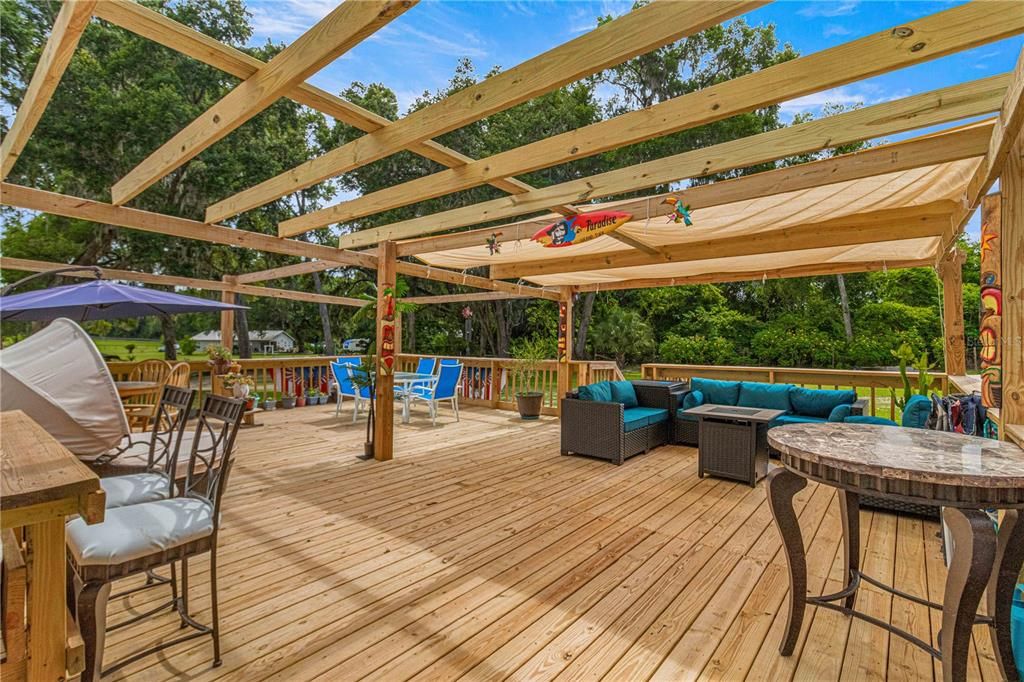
{"points": [[270, 403], [287, 401], [239, 384], [905, 355], [219, 359], [529, 357], [312, 396], [252, 401], [322, 398]]}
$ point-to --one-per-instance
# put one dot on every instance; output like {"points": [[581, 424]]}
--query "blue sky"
{"points": [[419, 50]]}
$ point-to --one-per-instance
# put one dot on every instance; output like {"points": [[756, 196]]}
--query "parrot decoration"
{"points": [[493, 245], [680, 211]]}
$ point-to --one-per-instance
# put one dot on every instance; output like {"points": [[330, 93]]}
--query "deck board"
{"points": [[480, 553]]}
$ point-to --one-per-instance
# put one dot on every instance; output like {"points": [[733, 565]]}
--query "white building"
{"points": [[260, 341]]}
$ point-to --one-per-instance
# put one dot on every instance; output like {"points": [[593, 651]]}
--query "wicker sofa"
{"points": [[615, 420], [801, 405]]}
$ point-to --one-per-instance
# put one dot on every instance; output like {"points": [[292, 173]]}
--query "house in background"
{"points": [[261, 341]]}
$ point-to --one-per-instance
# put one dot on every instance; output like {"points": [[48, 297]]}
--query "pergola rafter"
{"points": [[927, 38], [67, 30], [931, 108], [632, 34], [341, 30]]}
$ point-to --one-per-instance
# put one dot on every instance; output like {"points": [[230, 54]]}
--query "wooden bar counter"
{"points": [[41, 483]]}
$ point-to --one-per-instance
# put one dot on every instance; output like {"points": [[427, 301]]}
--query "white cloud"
{"points": [[830, 8], [817, 100], [413, 39], [835, 30], [283, 20]]}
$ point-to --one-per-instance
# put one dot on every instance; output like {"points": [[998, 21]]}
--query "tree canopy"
{"points": [[123, 96]]}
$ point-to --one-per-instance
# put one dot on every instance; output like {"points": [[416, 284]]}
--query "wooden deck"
{"points": [[480, 552]]}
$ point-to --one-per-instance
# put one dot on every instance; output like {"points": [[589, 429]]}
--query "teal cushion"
{"points": [[717, 392], [917, 411], [765, 396], [815, 402], [865, 419], [638, 417], [599, 392], [693, 399], [623, 392], [784, 419], [840, 412]]}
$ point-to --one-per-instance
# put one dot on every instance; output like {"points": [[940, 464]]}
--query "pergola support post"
{"points": [[227, 317], [565, 343], [1012, 255], [387, 355], [951, 273]]}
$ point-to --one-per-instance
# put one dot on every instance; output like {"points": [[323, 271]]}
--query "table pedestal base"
{"points": [[980, 557]]}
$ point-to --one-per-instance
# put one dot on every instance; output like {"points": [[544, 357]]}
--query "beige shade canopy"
{"points": [[58, 378], [923, 191]]}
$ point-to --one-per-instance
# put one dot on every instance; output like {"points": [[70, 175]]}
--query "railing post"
{"points": [[950, 271], [227, 317], [495, 384], [1012, 257]]}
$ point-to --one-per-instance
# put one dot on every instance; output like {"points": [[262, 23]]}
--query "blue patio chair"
{"points": [[425, 366], [345, 386], [443, 389], [453, 361]]}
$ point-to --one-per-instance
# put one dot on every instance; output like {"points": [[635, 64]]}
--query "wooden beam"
{"points": [[565, 343], [71, 21], [638, 32], [931, 108], [1011, 186], [304, 268], [960, 143], [147, 221], [634, 243], [161, 29], [755, 275], [464, 298], [959, 28], [951, 274], [913, 222], [387, 355], [337, 33], [227, 319], [452, 277], [232, 285]]}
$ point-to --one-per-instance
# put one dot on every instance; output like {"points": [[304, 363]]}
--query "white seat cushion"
{"points": [[140, 530], [135, 489]]}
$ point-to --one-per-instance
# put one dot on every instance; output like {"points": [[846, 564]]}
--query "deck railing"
{"points": [[485, 381], [875, 385]]}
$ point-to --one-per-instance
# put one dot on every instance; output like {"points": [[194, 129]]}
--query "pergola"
{"points": [[899, 205]]}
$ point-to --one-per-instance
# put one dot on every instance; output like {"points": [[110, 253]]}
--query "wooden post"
{"points": [[46, 606], [398, 332], [565, 342], [383, 430], [1012, 238], [950, 270], [227, 317]]}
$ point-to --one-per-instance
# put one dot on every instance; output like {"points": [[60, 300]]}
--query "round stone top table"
{"points": [[929, 467], [964, 475]]}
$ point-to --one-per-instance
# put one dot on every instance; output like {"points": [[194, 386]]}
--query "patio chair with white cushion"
{"points": [[134, 540], [443, 389]]}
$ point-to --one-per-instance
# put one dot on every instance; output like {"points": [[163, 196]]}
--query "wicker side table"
{"points": [[733, 441]]}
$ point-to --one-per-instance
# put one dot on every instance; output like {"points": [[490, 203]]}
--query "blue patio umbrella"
{"points": [[102, 300]]}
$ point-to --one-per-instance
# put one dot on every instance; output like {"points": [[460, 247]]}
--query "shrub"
{"points": [[188, 346], [696, 350]]}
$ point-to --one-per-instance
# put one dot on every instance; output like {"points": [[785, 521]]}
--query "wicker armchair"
{"points": [[597, 429]]}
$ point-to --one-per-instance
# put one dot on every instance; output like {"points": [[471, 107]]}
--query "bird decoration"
{"points": [[680, 211], [493, 245]]}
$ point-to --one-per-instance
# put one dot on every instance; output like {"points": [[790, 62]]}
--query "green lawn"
{"points": [[149, 349]]}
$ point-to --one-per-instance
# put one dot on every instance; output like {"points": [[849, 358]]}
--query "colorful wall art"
{"points": [[990, 324]]}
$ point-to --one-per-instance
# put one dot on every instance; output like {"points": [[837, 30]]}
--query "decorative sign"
{"points": [[493, 245], [387, 327], [990, 325], [680, 211], [581, 228]]}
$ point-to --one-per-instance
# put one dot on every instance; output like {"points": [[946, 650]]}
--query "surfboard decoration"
{"points": [[580, 228]]}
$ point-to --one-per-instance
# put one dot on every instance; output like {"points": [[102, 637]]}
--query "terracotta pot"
{"points": [[300, 401], [529, 404]]}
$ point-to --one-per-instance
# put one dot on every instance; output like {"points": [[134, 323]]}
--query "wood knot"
{"points": [[903, 31], [917, 47]]}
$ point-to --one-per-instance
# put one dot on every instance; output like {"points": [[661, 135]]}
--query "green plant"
{"points": [[215, 353], [905, 355], [188, 346], [529, 355], [364, 376], [233, 379], [130, 347]]}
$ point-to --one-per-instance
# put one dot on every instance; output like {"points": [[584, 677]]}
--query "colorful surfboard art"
{"points": [[581, 228]]}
